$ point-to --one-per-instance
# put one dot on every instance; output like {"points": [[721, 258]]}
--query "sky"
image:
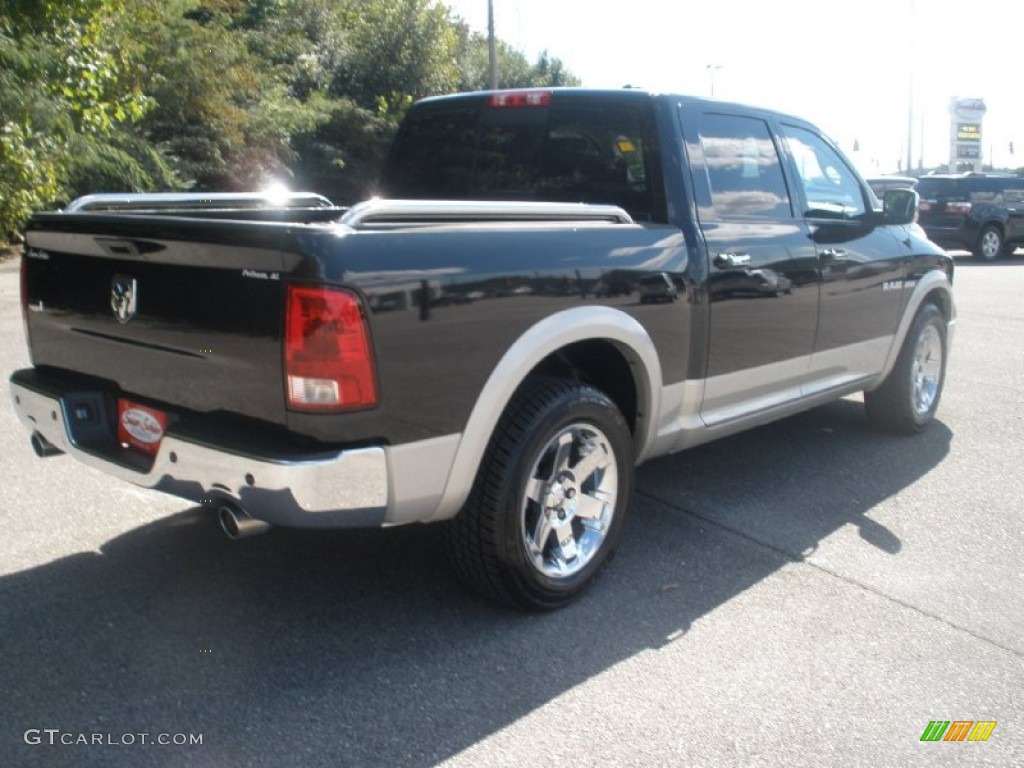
{"points": [[854, 69]]}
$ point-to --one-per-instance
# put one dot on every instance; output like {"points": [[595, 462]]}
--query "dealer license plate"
{"points": [[139, 426]]}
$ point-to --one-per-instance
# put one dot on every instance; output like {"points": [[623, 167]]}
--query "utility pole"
{"points": [[492, 48], [910, 123], [712, 68], [910, 93]]}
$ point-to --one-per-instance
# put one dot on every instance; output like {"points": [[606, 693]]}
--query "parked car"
{"points": [[881, 184], [749, 282], [981, 213], [657, 287]]}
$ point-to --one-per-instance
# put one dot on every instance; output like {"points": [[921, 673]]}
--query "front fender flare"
{"points": [[931, 284]]}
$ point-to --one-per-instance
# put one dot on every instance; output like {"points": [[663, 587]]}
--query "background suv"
{"points": [[980, 213]]}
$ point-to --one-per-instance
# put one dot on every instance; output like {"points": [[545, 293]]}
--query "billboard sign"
{"points": [[968, 132], [965, 120], [969, 109]]}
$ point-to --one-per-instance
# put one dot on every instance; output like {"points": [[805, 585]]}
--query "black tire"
{"points": [[990, 245], [906, 401], [525, 491]]}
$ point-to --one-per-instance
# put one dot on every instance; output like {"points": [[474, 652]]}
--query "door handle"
{"points": [[727, 260], [831, 254]]}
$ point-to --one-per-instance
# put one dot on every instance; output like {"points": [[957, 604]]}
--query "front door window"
{"points": [[830, 188]]}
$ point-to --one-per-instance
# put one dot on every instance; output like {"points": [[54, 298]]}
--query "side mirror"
{"points": [[899, 206]]}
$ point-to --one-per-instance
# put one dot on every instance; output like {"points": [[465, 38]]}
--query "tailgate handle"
{"points": [[118, 247]]}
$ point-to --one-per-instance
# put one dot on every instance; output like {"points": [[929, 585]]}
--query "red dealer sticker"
{"points": [[140, 427]]}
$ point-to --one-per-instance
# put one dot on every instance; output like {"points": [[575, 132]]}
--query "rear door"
{"points": [[1013, 199], [861, 264], [761, 285]]}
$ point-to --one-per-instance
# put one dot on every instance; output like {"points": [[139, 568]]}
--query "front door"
{"points": [[861, 263]]}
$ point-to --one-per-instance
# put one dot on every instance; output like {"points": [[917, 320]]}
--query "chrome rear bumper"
{"points": [[345, 489]]}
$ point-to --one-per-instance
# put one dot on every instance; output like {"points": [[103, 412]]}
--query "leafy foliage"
{"points": [[139, 95], [398, 49], [514, 71], [59, 87]]}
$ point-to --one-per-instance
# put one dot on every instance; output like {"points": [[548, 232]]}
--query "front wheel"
{"points": [[906, 401], [990, 243], [550, 499]]}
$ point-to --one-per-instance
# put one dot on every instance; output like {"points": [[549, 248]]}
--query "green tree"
{"points": [[60, 86], [136, 95], [552, 72], [514, 70], [372, 58], [224, 114], [397, 51]]}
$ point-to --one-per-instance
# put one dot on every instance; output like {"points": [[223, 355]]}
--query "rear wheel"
{"points": [[990, 243], [550, 499], [906, 401]]}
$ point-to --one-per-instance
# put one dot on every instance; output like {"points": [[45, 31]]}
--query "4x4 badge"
{"points": [[123, 297]]}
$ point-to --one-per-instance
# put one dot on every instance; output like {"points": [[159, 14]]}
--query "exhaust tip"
{"points": [[43, 447], [237, 524]]}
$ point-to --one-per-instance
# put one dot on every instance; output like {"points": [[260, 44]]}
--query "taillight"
{"points": [[958, 208], [513, 99], [327, 354]]}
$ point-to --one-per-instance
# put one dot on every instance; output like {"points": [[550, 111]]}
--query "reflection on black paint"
{"points": [[749, 283]]}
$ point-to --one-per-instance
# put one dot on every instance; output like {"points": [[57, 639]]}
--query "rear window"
{"points": [[576, 150], [934, 189]]}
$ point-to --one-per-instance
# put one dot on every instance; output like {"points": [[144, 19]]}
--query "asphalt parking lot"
{"points": [[806, 594]]}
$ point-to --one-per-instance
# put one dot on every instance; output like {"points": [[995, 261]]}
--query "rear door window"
{"points": [[1014, 194], [987, 190], [743, 167]]}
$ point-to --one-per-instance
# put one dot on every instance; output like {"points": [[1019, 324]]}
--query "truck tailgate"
{"points": [[186, 312]]}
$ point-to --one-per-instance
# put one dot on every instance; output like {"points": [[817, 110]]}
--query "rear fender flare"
{"points": [[537, 343]]}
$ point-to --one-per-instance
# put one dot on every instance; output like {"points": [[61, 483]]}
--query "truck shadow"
{"points": [[359, 648]]}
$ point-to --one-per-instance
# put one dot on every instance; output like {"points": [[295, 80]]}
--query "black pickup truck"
{"points": [[480, 345]]}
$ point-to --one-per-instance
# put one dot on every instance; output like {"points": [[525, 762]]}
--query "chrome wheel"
{"points": [[927, 369], [906, 401], [990, 244], [550, 499], [569, 500]]}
